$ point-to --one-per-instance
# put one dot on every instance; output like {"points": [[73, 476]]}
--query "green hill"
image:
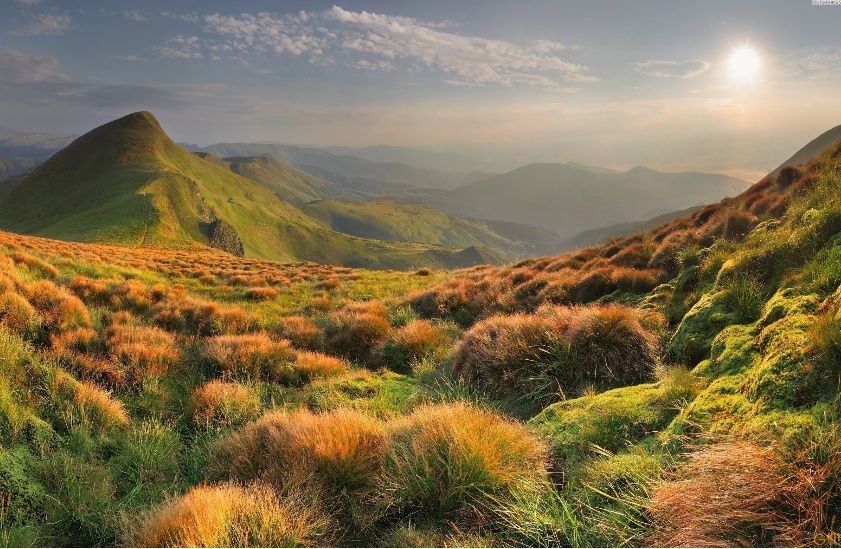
{"points": [[288, 183], [127, 182], [398, 222]]}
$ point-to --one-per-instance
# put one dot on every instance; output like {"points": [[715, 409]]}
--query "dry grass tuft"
{"points": [[251, 356], [727, 494], [219, 404], [339, 450], [301, 332], [231, 516], [16, 313]]}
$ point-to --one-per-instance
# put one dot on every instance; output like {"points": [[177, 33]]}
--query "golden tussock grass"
{"points": [[302, 332], [142, 350], [16, 313], [337, 450], [231, 516], [222, 404], [59, 309], [356, 330], [250, 356], [311, 365], [448, 458], [408, 344]]}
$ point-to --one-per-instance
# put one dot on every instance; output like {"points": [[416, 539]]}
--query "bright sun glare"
{"points": [[744, 64]]}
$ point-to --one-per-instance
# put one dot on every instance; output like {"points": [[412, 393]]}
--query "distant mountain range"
{"points": [[127, 182], [569, 198]]}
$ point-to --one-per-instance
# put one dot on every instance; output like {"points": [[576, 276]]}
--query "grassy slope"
{"points": [[396, 222], [128, 183], [290, 184]]}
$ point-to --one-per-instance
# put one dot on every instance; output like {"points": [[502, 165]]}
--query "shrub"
{"points": [[423, 271], [341, 451], [218, 404], [312, 365], [230, 516], [408, 344], [450, 459], [252, 356], [354, 332], [261, 293], [16, 313], [726, 494], [59, 309], [301, 332]]}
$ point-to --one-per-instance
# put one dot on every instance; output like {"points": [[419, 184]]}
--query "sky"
{"points": [[614, 84]]}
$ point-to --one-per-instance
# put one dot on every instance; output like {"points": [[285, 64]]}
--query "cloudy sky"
{"points": [[607, 83]]}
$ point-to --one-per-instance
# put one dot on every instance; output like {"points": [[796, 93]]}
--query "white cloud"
{"points": [[372, 41], [45, 24], [20, 68], [816, 63], [135, 15], [182, 47], [684, 70]]}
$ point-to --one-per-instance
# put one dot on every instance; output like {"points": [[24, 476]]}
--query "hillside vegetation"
{"points": [[676, 387], [126, 182], [400, 222]]}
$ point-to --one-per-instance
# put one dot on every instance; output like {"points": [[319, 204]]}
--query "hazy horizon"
{"points": [[501, 84]]}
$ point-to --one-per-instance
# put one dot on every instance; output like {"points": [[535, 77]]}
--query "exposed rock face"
{"points": [[222, 235]]}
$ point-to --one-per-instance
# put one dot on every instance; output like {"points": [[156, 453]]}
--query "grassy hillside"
{"points": [[568, 198], [814, 148], [396, 222], [288, 183], [675, 387], [14, 166], [127, 182], [310, 159]]}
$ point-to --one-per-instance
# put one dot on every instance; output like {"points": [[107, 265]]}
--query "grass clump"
{"points": [[355, 332], [250, 357], [230, 516], [450, 459], [408, 344], [16, 313], [220, 404], [559, 351]]}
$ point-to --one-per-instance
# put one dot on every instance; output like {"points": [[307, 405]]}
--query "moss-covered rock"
{"points": [[732, 351], [694, 335], [612, 420]]}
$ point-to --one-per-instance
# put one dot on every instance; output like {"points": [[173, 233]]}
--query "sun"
{"points": [[744, 64]]}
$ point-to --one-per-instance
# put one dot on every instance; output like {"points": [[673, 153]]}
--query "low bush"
{"points": [[141, 350], [558, 350], [261, 293], [312, 365], [231, 516]]}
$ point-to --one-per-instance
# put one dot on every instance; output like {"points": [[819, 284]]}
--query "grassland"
{"points": [[677, 387]]}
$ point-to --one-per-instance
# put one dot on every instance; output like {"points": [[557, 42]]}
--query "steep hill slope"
{"points": [[397, 222], [14, 166], [567, 198], [127, 182], [813, 148]]}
